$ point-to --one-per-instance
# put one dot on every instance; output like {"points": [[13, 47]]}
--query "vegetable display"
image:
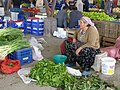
{"points": [[9, 34], [99, 16], [11, 39], [48, 73], [12, 46]]}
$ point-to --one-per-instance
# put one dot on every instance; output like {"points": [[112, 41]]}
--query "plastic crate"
{"points": [[15, 9], [24, 55], [34, 26], [16, 24], [1, 18], [38, 32], [23, 15], [2, 25]]}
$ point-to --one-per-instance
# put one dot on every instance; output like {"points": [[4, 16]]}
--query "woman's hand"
{"points": [[78, 50], [74, 40]]}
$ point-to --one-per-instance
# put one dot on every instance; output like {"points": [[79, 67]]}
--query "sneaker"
{"points": [[70, 64], [85, 73]]}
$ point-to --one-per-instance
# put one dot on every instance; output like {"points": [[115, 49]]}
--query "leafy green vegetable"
{"points": [[9, 34], [99, 16], [11, 39], [10, 64], [49, 74], [13, 46]]}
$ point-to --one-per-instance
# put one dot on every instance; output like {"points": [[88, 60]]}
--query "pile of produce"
{"points": [[9, 34], [116, 10], [11, 39], [48, 73], [99, 16]]}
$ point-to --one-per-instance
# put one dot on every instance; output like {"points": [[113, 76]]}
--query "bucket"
{"points": [[59, 59], [14, 15], [108, 65]]}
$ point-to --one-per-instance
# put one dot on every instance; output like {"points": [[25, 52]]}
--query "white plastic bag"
{"points": [[37, 54], [60, 33], [23, 75], [36, 49], [41, 40], [33, 42], [73, 71], [97, 63]]}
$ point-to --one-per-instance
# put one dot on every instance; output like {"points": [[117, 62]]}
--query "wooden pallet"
{"points": [[100, 40], [71, 33], [107, 28], [108, 41]]}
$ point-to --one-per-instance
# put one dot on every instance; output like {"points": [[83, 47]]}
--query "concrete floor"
{"points": [[14, 82]]}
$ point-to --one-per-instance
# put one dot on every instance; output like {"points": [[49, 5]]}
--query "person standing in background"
{"points": [[39, 3], [79, 5], [86, 5], [108, 8], [62, 18], [66, 3], [16, 3], [59, 4], [75, 15], [118, 2]]}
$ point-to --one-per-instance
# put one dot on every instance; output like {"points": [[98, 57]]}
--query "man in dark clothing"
{"points": [[62, 18], [86, 5], [16, 3], [75, 15]]}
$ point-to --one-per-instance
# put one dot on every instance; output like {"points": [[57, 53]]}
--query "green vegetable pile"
{"points": [[99, 16], [49, 74], [11, 39], [9, 34]]}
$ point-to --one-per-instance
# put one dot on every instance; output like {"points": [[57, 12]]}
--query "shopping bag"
{"points": [[9, 66]]}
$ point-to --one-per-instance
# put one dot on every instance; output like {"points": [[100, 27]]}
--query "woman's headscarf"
{"points": [[88, 20]]}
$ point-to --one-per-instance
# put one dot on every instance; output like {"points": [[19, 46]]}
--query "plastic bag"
{"points": [[37, 54], [73, 71], [97, 63], [60, 33], [10, 66], [33, 42], [23, 73], [36, 48]]}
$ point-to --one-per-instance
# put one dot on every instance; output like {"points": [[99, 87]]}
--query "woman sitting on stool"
{"points": [[84, 47]]}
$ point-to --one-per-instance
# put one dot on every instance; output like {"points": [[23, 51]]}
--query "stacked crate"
{"points": [[2, 22], [109, 31], [16, 24], [34, 26]]}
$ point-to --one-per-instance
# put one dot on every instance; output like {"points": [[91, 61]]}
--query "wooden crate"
{"points": [[107, 44], [101, 40], [113, 30], [71, 33], [107, 28], [108, 41], [118, 33], [100, 26]]}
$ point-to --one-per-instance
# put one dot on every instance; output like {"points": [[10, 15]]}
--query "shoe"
{"points": [[70, 64], [85, 73]]}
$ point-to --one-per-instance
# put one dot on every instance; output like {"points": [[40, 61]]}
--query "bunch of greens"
{"points": [[11, 39], [9, 34], [12, 46], [99, 16], [48, 74]]}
